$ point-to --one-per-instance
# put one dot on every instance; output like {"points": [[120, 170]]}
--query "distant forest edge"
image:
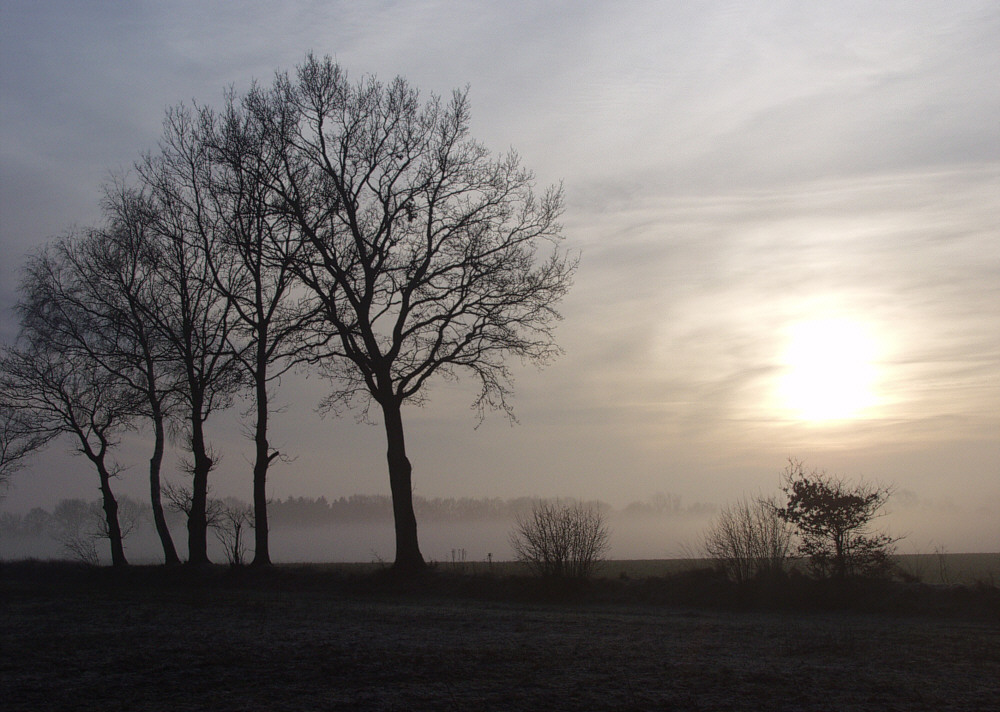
{"points": [[305, 511]]}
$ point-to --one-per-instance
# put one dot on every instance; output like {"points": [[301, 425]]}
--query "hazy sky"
{"points": [[788, 216]]}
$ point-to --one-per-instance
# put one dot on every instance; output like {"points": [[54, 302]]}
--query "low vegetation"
{"points": [[748, 539], [829, 519], [562, 541]]}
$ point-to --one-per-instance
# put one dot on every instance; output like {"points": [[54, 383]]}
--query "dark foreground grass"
{"points": [[315, 638]]}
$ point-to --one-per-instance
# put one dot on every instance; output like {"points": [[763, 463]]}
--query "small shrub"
{"points": [[231, 522], [748, 540], [560, 541]]}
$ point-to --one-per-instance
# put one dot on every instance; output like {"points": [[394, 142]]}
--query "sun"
{"points": [[829, 370]]}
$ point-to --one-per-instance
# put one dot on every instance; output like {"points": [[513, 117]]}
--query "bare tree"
{"points": [[834, 521], [103, 278], [189, 313], [560, 541], [749, 539], [249, 254], [229, 519], [73, 397], [58, 375], [426, 255]]}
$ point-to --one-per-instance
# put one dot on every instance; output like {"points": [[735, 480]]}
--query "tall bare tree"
{"points": [[189, 313], [427, 255], [53, 378], [116, 291], [249, 253]]}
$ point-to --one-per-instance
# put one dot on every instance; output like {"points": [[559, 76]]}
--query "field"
{"points": [[946, 569], [312, 638]]}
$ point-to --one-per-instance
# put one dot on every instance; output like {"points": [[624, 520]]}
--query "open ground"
{"points": [[309, 638]]}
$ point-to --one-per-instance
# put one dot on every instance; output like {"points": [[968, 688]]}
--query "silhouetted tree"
{"points": [[71, 396], [560, 541], [421, 249], [104, 279], [233, 520], [229, 519], [67, 374], [190, 314], [833, 519], [249, 251]]}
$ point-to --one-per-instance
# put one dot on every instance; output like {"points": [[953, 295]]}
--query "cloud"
{"points": [[694, 295]]}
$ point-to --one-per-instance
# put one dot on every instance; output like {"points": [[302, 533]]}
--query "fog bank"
{"points": [[926, 528]]}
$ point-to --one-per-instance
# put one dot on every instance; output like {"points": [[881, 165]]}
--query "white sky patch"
{"points": [[830, 370]]}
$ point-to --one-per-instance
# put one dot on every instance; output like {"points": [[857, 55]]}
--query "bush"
{"points": [[230, 523], [748, 539], [560, 541], [834, 520]]}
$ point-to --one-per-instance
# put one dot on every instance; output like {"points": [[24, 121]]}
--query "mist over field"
{"points": [[661, 528]]}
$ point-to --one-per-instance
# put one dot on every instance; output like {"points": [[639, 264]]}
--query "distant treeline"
{"points": [[77, 517], [359, 507], [72, 514]]}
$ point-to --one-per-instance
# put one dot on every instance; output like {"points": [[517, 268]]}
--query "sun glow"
{"points": [[829, 371]]}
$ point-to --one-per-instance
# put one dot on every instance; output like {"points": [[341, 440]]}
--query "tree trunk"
{"points": [[111, 517], [197, 517], [408, 557], [170, 557], [261, 554]]}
